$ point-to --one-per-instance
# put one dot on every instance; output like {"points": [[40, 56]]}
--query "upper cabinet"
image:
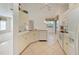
{"points": [[73, 5], [70, 20]]}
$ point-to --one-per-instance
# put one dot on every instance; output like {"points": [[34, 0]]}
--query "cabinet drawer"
{"points": [[66, 47]]}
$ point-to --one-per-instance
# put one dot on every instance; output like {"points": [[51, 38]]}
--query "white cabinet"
{"points": [[71, 39], [66, 43], [61, 38]]}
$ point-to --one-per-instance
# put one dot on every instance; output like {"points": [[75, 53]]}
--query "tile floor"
{"points": [[44, 48]]}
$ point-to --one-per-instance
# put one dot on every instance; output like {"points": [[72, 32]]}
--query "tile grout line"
{"points": [[27, 47], [31, 44], [62, 48]]}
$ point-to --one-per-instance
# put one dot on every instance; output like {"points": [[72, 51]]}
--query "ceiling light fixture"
{"points": [[20, 9]]}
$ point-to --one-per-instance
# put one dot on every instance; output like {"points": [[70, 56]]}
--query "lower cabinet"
{"points": [[66, 43], [67, 46]]}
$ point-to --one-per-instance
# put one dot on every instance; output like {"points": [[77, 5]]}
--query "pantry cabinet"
{"points": [[70, 40]]}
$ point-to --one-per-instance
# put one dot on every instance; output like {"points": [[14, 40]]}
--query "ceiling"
{"points": [[6, 9], [47, 8], [43, 5]]}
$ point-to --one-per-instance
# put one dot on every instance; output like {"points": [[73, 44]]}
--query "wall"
{"points": [[20, 38], [39, 12], [5, 9], [23, 19], [6, 38]]}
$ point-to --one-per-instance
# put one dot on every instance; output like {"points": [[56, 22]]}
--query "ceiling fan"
{"points": [[20, 9]]}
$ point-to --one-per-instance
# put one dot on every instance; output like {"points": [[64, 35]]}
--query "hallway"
{"points": [[43, 48], [35, 21]]}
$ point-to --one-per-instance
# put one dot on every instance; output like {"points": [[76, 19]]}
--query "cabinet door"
{"points": [[72, 50], [61, 39], [69, 46], [66, 43]]}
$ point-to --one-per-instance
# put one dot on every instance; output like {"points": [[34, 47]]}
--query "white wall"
{"points": [[8, 36], [39, 12], [23, 19], [19, 38], [5, 9]]}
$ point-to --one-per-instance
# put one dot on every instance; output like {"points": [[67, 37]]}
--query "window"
{"points": [[50, 24], [5, 24], [2, 25]]}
